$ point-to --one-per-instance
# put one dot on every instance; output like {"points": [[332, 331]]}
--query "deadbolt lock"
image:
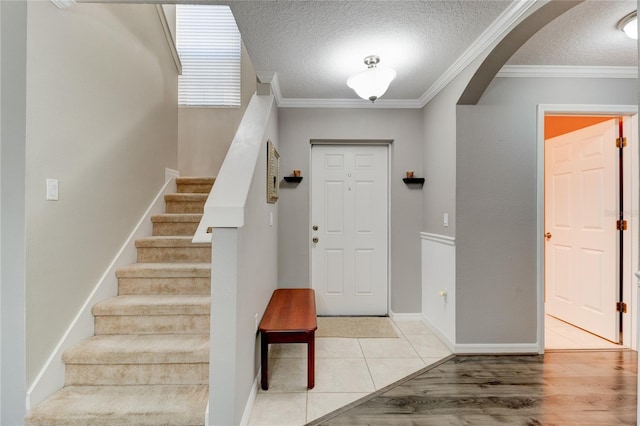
{"points": [[315, 227]]}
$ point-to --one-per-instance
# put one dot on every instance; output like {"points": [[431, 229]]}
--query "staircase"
{"points": [[148, 362]]}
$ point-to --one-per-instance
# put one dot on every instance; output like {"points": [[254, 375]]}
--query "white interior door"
{"points": [[349, 235], [581, 205]]}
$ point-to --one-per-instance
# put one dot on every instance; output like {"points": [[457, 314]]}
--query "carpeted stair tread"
{"points": [[188, 304], [123, 405], [194, 180], [171, 249], [195, 184], [165, 270], [140, 349], [186, 197], [176, 217], [169, 241]]}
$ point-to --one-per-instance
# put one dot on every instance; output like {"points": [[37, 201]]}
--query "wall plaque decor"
{"points": [[273, 173]]}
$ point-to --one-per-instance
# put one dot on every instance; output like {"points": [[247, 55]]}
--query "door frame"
{"points": [[629, 321], [356, 142]]}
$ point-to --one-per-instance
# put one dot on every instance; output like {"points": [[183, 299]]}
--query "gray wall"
{"points": [[205, 134], [297, 128], [13, 36], [496, 201], [258, 271], [101, 118]]}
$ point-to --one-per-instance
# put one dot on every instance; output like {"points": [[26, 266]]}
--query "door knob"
{"points": [[547, 235], [315, 227], [315, 239]]}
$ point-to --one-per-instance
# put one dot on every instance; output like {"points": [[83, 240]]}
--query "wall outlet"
{"points": [[445, 219]]}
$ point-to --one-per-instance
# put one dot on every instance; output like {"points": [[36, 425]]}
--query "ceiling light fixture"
{"points": [[629, 24], [373, 82]]}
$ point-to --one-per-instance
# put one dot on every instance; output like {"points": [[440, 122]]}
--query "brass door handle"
{"points": [[547, 235]]}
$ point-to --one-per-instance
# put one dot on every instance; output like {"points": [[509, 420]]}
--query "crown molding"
{"points": [[271, 78], [539, 71], [349, 103], [63, 4], [492, 34]]}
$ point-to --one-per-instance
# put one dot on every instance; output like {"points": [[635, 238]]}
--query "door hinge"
{"points": [[621, 307], [621, 225], [621, 142]]}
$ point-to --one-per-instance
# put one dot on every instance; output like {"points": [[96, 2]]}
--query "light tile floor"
{"points": [[346, 370], [561, 335]]}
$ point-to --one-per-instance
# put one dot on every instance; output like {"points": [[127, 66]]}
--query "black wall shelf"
{"points": [[293, 179], [413, 181]]}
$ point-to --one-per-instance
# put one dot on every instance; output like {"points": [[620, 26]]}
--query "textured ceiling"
{"points": [[314, 46], [586, 35]]}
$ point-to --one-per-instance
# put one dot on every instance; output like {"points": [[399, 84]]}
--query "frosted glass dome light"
{"points": [[373, 82], [629, 24]]}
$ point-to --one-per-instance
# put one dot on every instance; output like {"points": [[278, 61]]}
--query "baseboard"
{"points": [[481, 348], [246, 415], [51, 378], [496, 348], [404, 316], [440, 334]]}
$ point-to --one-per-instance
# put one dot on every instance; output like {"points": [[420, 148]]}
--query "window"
{"points": [[209, 49]]}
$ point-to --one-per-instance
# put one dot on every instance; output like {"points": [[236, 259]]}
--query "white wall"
{"points": [[205, 134], [404, 127], [101, 118], [13, 39], [496, 202]]}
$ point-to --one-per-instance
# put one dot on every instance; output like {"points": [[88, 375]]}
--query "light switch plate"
{"points": [[52, 189]]}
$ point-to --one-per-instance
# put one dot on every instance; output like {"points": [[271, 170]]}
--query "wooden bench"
{"points": [[290, 318]]}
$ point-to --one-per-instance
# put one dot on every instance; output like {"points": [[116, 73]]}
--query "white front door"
{"points": [[581, 205], [349, 236]]}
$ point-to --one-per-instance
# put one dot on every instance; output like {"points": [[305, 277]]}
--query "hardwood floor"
{"points": [[558, 388]]}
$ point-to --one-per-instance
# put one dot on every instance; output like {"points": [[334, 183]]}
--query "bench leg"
{"points": [[311, 366], [264, 360]]}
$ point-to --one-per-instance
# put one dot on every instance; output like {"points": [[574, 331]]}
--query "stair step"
{"points": [[136, 305], [185, 203], [175, 223], [138, 360], [136, 374], [164, 278], [111, 405], [152, 314], [195, 184], [172, 249], [141, 349]]}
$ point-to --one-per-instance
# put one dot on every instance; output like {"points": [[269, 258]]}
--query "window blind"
{"points": [[209, 47]]}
